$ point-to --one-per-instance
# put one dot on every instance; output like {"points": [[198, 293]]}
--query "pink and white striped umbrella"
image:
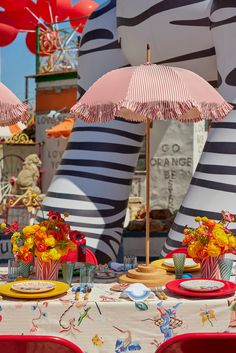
{"points": [[12, 110], [154, 92]]}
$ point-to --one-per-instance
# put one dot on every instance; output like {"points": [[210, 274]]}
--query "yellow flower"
{"points": [[66, 214], [51, 241], [43, 229], [55, 254], [221, 240], [232, 241], [36, 227], [28, 230], [14, 248], [29, 242], [194, 248], [213, 249], [197, 219], [218, 231], [45, 256], [3, 226]]}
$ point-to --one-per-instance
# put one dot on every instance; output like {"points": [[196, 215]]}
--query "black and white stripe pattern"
{"points": [[94, 178], [213, 186], [94, 184]]}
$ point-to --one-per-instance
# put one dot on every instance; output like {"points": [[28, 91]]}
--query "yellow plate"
{"points": [[159, 264], [60, 288]]}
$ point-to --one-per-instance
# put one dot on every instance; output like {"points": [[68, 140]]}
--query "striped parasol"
{"points": [[61, 130], [8, 131], [145, 93], [151, 92], [12, 110]]}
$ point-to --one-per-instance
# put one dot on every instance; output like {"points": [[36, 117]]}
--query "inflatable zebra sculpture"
{"points": [[94, 178]]}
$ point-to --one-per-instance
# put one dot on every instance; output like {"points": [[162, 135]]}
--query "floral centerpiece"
{"points": [[208, 242], [47, 242]]}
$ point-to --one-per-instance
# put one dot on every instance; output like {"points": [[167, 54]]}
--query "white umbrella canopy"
{"points": [[145, 93], [12, 110]]}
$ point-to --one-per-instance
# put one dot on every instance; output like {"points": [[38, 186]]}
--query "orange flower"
{"points": [[210, 238]]}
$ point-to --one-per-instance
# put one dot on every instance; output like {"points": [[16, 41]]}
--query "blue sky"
{"points": [[17, 62]]}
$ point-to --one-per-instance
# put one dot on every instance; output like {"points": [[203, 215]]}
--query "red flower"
{"points": [[41, 246], [77, 237], [56, 234], [12, 181], [12, 228], [54, 216], [64, 227], [27, 257]]}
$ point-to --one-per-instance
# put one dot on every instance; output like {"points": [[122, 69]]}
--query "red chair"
{"points": [[176, 251], [32, 344], [211, 342]]}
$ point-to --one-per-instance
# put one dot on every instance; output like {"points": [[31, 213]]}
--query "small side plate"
{"points": [[33, 286], [202, 285], [188, 262]]}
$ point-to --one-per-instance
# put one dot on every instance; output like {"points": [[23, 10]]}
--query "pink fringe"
{"points": [[11, 114], [152, 111]]}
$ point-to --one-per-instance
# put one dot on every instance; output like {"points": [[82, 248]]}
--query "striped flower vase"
{"points": [[210, 267], [47, 269]]}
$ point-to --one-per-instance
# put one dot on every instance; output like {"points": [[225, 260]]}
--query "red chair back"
{"points": [[176, 251], [215, 342], [32, 344]]}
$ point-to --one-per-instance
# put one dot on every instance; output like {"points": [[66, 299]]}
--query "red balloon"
{"points": [[24, 19], [49, 42], [82, 9], [7, 19], [60, 10], [13, 5], [7, 34]]}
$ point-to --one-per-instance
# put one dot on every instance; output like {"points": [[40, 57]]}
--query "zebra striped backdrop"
{"points": [[213, 186], [93, 180]]}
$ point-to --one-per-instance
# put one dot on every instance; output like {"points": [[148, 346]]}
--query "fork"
{"points": [[159, 292]]}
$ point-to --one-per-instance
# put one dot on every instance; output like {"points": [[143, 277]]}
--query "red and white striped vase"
{"points": [[46, 269], [210, 267]]}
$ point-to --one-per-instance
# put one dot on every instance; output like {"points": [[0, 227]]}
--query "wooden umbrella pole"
{"points": [[147, 192], [148, 178]]}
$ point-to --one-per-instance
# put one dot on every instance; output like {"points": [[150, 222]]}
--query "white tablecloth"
{"points": [[106, 324]]}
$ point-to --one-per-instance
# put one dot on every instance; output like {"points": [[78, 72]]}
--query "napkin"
{"points": [[119, 267]]}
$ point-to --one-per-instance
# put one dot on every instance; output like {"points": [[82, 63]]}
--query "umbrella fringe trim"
{"points": [[11, 114], [151, 110]]}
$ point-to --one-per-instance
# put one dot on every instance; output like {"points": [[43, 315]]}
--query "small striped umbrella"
{"points": [[12, 110], [61, 130], [151, 92], [8, 131]]}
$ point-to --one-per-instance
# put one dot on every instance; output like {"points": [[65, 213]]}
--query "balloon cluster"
{"points": [[26, 15]]}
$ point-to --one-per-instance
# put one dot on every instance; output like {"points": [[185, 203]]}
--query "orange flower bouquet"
{"points": [[210, 240], [47, 242]]}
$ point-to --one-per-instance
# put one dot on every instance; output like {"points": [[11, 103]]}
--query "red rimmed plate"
{"points": [[174, 286]]}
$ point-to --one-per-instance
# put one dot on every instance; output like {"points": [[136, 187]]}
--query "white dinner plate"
{"points": [[187, 263], [202, 285], [33, 286]]}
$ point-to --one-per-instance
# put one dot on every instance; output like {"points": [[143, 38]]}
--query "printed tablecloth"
{"points": [[106, 323]]}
